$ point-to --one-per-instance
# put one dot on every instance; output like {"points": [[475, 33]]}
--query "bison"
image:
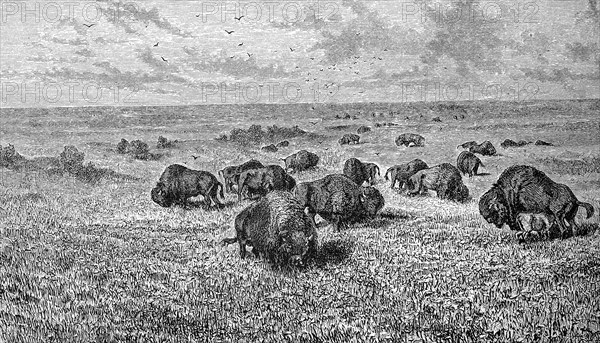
{"points": [[525, 189], [444, 179], [269, 148], [339, 200], [410, 139], [486, 149], [356, 171], [349, 138], [178, 183], [300, 161], [262, 181], [539, 142], [231, 174], [282, 144], [467, 145], [277, 228], [468, 163], [363, 129], [509, 143], [372, 171], [402, 172]]}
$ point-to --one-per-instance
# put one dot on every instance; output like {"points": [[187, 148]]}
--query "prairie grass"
{"points": [[100, 262]]}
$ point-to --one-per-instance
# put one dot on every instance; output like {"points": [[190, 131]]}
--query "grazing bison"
{"points": [[178, 183], [269, 148], [339, 200], [402, 172], [539, 142], [373, 171], [468, 163], [232, 174], [262, 181], [349, 138], [277, 228], [355, 170], [444, 179], [525, 189], [437, 120], [301, 160], [509, 143], [486, 149], [410, 139], [282, 144], [363, 129], [467, 145]]}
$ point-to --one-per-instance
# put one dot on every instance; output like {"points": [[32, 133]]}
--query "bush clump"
{"points": [[255, 134], [71, 159], [9, 156], [164, 143], [138, 149]]}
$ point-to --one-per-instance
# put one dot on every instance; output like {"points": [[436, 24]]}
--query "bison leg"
{"points": [[243, 248], [228, 241]]}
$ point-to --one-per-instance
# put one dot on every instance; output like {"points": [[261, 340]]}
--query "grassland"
{"points": [[82, 262]]}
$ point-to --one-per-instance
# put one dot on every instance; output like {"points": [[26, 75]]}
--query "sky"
{"points": [[85, 53]]}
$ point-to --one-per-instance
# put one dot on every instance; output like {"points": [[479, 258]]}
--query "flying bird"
{"points": [[249, 54], [242, 43], [314, 123], [229, 32], [197, 15], [164, 59], [238, 18], [195, 157], [377, 153], [292, 50], [88, 26], [156, 44]]}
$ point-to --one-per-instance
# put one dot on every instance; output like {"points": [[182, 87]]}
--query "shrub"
{"points": [[9, 156], [122, 146], [164, 143], [138, 149], [256, 135]]}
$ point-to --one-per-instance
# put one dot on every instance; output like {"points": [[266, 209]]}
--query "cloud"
{"points": [[582, 52], [559, 75]]}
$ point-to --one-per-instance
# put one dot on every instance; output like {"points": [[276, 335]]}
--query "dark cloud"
{"points": [[75, 42], [156, 62], [559, 75]]}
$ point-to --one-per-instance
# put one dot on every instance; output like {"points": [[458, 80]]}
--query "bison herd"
{"points": [[280, 224]]}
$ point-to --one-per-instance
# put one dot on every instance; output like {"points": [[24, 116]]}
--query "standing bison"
{"points": [[509, 143], [178, 183], [277, 228], [262, 181], [467, 145], [232, 174], [402, 172], [339, 200], [486, 149], [468, 163], [356, 171], [363, 129], [301, 160], [410, 139], [444, 179], [525, 189], [372, 171], [349, 138]]}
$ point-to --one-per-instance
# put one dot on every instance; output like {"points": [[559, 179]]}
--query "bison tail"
{"points": [[481, 164], [378, 173], [589, 209], [386, 174]]}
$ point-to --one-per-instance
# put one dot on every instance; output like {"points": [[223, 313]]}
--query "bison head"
{"points": [[371, 200], [296, 245], [160, 195], [493, 207], [462, 193]]}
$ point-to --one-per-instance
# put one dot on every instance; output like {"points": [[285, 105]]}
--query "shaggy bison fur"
{"points": [[444, 179], [178, 183], [300, 161], [402, 172], [525, 189], [486, 149], [356, 171], [339, 200], [372, 171], [363, 129], [410, 139], [277, 228], [468, 163]]}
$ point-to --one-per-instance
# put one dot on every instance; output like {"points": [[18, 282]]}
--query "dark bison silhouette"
{"points": [[178, 183]]}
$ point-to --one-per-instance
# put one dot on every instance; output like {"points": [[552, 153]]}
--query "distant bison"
{"points": [[486, 149], [269, 148], [262, 181], [437, 119], [509, 143], [339, 200], [539, 142], [356, 171], [372, 171], [231, 174], [402, 172], [178, 183], [444, 179], [363, 129], [349, 138], [410, 139], [468, 163], [467, 145], [301, 160], [277, 228], [525, 189], [282, 144]]}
